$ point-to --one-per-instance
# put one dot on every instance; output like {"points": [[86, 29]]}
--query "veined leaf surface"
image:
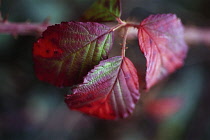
{"points": [[109, 91], [67, 51], [161, 39], [102, 11]]}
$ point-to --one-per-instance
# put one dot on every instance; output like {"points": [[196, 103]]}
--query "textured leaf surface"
{"points": [[162, 42], [109, 91], [102, 11], [67, 51]]}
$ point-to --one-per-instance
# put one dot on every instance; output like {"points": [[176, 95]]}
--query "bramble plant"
{"points": [[76, 54]]}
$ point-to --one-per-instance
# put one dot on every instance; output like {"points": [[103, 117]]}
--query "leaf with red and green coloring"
{"points": [[67, 51], [103, 11], [161, 39], [109, 91]]}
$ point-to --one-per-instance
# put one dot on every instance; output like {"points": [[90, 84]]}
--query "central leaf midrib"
{"points": [[85, 45], [75, 53], [105, 96]]}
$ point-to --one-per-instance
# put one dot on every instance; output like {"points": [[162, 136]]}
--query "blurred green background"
{"points": [[33, 110]]}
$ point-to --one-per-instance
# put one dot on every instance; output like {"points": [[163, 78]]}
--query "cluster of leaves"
{"points": [[75, 54]]}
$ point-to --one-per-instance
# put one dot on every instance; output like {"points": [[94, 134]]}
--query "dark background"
{"points": [[34, 110]]}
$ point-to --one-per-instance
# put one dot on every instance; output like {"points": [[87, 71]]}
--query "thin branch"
{"points": [[193, 34], [197, 35], [124, 41], [22, 28]]}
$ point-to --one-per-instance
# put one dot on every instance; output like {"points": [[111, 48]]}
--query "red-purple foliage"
{"points": [[67, 51], [109, 91], [161, 39]]}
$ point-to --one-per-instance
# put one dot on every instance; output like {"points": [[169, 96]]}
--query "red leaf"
{"points": [[162, 42], [67, 51], [109, 91]]}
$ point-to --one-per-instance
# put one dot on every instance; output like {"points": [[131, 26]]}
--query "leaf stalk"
{"points": [[124, 42]]}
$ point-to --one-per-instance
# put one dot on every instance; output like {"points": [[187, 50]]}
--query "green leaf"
{"points": [[103, 11]]}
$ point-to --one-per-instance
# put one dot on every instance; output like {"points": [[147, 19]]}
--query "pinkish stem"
{"points": [[193, 34], [124, 42], [197, 35], [22, 28]]}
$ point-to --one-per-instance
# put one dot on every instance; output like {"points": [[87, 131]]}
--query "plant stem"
{"points": [[124, 24], [132, 25], [124, 42], [193, 34], [119, 25], [197, 35], [22, 28]]}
